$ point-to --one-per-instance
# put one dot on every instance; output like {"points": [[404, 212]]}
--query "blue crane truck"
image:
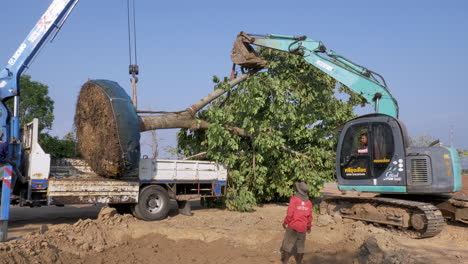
{"points": [[33, 179]]}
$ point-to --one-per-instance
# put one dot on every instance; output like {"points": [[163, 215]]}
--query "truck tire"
{"points": [[153, 203]]}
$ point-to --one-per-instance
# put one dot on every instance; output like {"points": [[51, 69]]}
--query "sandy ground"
{"points": [[83, 235], [464, 190]]}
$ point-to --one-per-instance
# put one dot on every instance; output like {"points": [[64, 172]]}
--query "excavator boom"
{"points": [[354, 76]]}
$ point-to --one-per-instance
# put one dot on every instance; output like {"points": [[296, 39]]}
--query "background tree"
{"points": [[60, 148], [36, 103], [423, 140], [287, 116]]}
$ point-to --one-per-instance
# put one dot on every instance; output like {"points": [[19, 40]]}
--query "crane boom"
{"points": [[354, 76], [51, 21]]}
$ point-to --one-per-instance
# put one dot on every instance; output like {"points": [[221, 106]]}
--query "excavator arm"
{"points": [[357, 78]]}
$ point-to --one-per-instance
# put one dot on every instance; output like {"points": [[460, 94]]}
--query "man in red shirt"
{"points": [[297, 222]]}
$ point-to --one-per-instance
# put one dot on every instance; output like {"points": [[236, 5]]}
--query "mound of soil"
{"points": [[96, 130], [109, 239], [215, 236], [464, 190]]}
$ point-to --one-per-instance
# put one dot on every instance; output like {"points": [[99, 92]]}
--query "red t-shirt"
{"points": [[299, 215]]}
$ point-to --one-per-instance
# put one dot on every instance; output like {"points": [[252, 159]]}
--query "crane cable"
{"points": [[133, 68]]}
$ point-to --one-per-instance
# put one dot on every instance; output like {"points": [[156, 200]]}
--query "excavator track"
{"points": [[454, 208], [424, 218], [460, 204]]}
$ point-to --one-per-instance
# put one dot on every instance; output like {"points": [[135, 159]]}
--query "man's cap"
{"points": [[302, 187]]}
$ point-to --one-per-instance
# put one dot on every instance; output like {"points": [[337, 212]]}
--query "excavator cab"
{"points": [[374, 155]]}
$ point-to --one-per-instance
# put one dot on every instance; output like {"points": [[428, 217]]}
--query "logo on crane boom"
{"points": [[41, 27], [17, 54], [46, 20]]}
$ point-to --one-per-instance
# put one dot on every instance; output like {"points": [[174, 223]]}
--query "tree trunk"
{"points": [[186, 118]]}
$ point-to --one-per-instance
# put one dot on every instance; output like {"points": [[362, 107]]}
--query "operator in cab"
{"points": [[364, 148]]}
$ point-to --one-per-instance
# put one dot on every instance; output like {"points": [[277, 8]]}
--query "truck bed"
{"points": [[72, 181]]}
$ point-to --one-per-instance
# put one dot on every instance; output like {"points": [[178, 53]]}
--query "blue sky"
{"points": [[418, 46]]}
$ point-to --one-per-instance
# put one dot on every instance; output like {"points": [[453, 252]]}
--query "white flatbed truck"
{"points": [[71, 181]]}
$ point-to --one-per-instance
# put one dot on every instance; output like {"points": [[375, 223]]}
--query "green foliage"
{"points": [[316, 209], [289, 112], [213, 202], [60, 148], [173, 151], [425, 140], [35, 103], [462, 153]]}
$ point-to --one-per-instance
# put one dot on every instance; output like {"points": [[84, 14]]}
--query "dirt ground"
{"points": [[464, 190], [92, 234]]}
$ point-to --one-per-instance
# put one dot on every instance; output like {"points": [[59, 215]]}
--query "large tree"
{"points": [[275, 128]]}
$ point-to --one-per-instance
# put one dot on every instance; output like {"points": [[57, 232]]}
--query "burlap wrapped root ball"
{"points": [[107, 128]]}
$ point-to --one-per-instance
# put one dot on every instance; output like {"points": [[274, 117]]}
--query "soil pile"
{"points": [[109, 239], [464, 190], [220, 236], [382, 250]]}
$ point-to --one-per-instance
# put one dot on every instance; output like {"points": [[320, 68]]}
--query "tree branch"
{"points": [[196, 155], [218, 92], [293, 151], [186, 118], [193, 109], [183, 120]]}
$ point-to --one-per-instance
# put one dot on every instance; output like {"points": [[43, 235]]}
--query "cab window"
{"points": [[355, 156], [366, 151], [383, 147]]}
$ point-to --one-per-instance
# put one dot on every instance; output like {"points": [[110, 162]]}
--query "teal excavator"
{"points": [[374, 153]]}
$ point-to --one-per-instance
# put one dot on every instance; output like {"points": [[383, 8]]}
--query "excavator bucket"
{"points": [[244, 55]]}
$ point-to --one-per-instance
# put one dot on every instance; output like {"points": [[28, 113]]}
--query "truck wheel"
{"points": [[153, 203]]}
